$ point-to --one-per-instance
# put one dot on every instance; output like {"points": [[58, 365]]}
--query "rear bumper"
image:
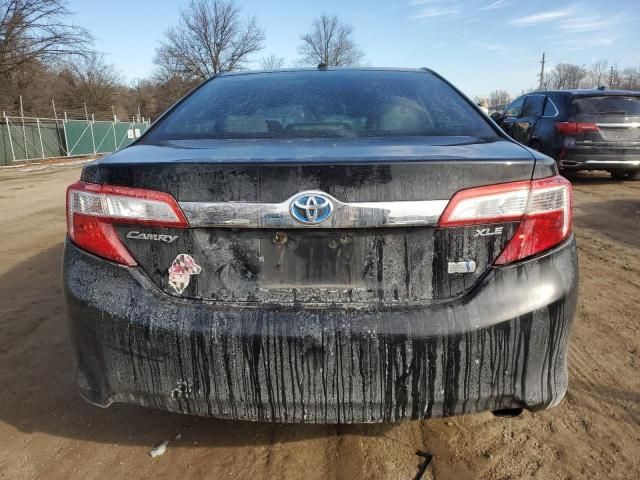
{"points": [[600, 158], [502, 345]]}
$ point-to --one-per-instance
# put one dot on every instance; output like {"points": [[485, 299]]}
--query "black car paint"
{"points": [[326, 364], [357, 170], [369, 265], [372, 170], [537, 130], [492, 340]]}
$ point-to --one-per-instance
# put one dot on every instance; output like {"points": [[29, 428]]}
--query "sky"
{"points": [[479, 45]]}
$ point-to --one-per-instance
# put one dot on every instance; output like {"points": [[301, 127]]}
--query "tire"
{"points": [[625, 174]]}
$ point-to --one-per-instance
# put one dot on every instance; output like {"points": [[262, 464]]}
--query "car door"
{"points": [[511, 114], [522, 127]]}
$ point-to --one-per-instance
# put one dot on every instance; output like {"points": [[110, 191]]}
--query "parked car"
{"points": [[582, 129], [330, 245]]}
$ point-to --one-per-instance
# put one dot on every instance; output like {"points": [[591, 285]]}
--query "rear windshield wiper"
{"points": [[613, 112]]}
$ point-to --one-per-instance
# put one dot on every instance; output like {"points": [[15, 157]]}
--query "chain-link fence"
{"points": [[30, 138]]}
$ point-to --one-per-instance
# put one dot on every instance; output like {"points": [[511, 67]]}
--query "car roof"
{"points": [[586, 92], [329, 68]]}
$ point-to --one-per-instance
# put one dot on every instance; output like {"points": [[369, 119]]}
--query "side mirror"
{"points": [[497, 116]]}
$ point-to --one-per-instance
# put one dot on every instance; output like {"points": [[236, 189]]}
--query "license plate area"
{"points": [[620, 134], [331, 259]]}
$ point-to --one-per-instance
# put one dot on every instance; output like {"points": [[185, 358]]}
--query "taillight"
{"points": [[93, 209], [573, 129], [543, 208]]}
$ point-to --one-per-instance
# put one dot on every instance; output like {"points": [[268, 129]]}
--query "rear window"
{"points": [[609, 105], [322, 104]]}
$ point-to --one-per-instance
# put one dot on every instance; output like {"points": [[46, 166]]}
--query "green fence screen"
{"points": [[86, 138], [31, 138]]}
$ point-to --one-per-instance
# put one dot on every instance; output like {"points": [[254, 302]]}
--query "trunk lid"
{"points": [[382, 244]]}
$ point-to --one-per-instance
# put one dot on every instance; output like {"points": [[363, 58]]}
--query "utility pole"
{"points": [[541, 87], [613, 74]]}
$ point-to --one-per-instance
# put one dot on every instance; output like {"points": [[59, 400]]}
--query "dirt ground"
{"points": [[47, 431]]}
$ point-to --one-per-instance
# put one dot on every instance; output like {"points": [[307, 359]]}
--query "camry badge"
{"points": [[156, 237], [311, 208]]}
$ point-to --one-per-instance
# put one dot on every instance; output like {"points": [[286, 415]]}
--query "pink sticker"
{"points": [[181, 270]]}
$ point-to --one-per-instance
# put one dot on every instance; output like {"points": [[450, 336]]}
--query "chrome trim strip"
{"points": [[577, 163], [614, 162], [345, 215], [619, 125]]}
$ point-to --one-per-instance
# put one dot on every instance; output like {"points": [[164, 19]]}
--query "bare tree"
{"points": [[598, 73], [499, 98], [630, 79], [154, 95], [271, 62], [210, 38], [37, 31], [614, 77], [330, 42], [91, 80], [566, 76]]}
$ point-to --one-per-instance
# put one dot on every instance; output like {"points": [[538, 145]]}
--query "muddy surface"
{"points": [[47, 431]]}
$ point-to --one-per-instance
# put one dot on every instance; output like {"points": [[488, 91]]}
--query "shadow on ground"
{"points": [[617, 219], [591, 178], [39, 394]]}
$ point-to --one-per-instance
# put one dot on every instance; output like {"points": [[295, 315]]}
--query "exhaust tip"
{"points": [[508, 412]]}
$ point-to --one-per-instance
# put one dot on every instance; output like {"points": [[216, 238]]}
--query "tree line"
{"points": [[565, 76], [599, 74], [45, 56]]}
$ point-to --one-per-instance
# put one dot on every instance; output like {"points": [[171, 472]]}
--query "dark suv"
{"points": [[582, 129]]}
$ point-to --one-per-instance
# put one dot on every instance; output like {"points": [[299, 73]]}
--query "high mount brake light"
{"points": [[543, 208], [93, 209]]}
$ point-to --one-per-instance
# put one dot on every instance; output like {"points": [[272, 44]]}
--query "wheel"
{"points": [[625, 174]]}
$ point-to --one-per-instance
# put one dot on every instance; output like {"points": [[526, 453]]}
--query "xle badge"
{"points": [[487, 232], [468, 266]]}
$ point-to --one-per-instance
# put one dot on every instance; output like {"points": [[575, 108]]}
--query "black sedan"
{"points": [[327, 246], [582, 129]]}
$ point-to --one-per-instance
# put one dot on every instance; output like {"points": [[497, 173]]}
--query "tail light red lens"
{"points": [[573, 129], [543, 208], [93, 209]]}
